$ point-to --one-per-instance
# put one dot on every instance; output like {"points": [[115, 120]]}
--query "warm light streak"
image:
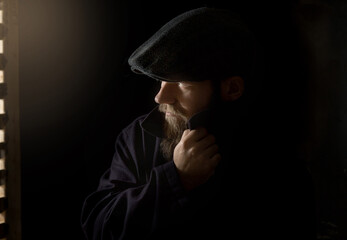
{"points": [[2, 163], [2, 217], [1, 46], [2, 191], [2, 106], [2, 135], [1, 79]]}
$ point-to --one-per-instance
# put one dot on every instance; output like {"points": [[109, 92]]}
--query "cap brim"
{"points": [[151, 75]]}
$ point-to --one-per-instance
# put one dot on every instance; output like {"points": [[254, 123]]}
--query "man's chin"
{"points": [[171, 112], [174, 128], [171, 115]]}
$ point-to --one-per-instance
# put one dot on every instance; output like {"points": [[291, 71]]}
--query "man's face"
{"points": [[184, 99], [180, 101]]}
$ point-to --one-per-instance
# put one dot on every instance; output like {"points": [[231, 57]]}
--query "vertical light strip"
{"points": [[11, 120], [2, 191], [2, 132], [2, 106], [2, 135], [2, 160]]}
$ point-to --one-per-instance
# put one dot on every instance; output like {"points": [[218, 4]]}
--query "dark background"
{"points": [[77, 93]]}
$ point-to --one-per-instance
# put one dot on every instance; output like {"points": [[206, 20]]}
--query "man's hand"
{"points": [[196, 157]]}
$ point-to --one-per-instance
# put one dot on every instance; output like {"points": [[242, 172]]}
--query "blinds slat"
{"points": [[3, 61], [3, 31], [2, 176], [3, 230], [3, 204], [3, 145], [3, 90], [3, 120]]}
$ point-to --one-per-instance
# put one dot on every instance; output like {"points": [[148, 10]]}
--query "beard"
{"points": [[174, 127]]}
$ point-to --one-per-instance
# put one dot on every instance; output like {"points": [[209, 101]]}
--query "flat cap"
{"points": [[203, 43]]}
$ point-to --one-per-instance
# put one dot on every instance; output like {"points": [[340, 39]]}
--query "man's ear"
{"points": [[232, 88]]}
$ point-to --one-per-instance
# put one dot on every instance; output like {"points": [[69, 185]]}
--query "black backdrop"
{"points": [[77, 93]]}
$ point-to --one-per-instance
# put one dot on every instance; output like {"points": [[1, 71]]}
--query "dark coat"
{"points": [[255, 193]]}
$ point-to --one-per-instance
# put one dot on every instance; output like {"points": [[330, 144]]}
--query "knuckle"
{"points": [[186, 131], [184, 144], [193, 152], [194, 131]]}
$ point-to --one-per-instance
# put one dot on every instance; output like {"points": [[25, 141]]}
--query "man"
{"points": [[196, 166]]}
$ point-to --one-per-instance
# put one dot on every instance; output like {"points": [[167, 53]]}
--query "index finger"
{"points": [[185, 133], [197, 134]]}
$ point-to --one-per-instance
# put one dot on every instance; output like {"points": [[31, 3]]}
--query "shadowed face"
{"points": [[184, 98], [180, 101]]}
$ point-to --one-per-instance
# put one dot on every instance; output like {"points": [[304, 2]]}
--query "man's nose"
{"points": [[166, 94]]}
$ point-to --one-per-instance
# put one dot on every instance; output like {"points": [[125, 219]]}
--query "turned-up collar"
{"points": [[154, 122]]}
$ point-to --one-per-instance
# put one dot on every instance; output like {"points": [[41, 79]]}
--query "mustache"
{"points": [[172, 109]]}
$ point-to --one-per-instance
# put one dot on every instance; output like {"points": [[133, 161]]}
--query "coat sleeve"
{"points": [[130, 202]]}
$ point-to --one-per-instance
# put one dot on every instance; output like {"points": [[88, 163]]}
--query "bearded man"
{"points": [[196, 166]]}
